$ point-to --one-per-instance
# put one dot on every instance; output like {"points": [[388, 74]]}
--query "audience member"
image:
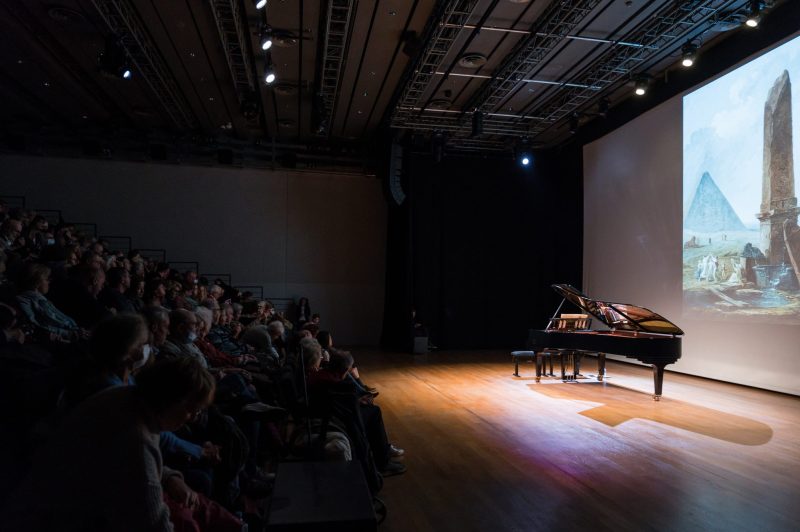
{"points": [[40, 312], [119, 482], [113, 296]]}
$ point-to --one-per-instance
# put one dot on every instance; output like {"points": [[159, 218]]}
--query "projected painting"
{"points": [[741, 241]]}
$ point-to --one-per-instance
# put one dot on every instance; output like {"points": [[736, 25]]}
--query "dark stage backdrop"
{"points": [[477, 244]]}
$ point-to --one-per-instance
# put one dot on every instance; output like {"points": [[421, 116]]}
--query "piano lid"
{"points": [[619, 316]]}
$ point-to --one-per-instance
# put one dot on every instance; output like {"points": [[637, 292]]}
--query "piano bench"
{"points": [[521, 355], [542, 357]]}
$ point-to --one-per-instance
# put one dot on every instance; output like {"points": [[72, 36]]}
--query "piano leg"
{"points": [[601, 366], [658, 377], [538, 366]]}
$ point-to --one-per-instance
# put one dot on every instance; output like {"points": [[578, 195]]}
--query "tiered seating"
{"points": [[69, 296]]}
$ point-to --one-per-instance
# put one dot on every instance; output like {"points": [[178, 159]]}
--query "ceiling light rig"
{"points": [[266, 38], [640, 84], [477, 124], [574, 123], [688, 54], [524, 155], [261, 4], [754, 16], [269, 74], [114, 61]]}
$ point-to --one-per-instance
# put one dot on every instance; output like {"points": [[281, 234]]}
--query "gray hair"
{"points": [[155, 315], [206, 315], [275, 327]]}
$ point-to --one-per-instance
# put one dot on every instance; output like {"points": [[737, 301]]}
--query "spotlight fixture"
{"points": [[524, 155], [260, 4], [477, 123], [641, 84], [602, 107], [754, 16], [269, 74], [574, 123], [438, 141], [266, 38], [689, 54], [113, 60]]}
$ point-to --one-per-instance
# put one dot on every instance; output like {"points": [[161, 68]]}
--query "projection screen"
{"points": [[644, 241]]}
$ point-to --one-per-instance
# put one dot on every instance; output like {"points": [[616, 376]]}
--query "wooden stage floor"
{"points": [[489, 451]]}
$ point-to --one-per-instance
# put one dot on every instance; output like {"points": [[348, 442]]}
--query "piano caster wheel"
{"points": [[656, 398], [600, 378], [538, 379]]}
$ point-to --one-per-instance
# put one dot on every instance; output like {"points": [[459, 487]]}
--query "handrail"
{"points": [[126, 245], [225, 277], [159, 255], [258, 291], [14, 204], [86, 227], [53, 216], [194, 265]]}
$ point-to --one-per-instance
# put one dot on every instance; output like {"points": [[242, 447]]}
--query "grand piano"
{"points": [[634, 332]]}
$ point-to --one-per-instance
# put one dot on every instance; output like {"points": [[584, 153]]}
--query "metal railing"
{"points": [[87, 228], [13, 202], [154, 254], [116, 242], [184, 266], [224, 277]]}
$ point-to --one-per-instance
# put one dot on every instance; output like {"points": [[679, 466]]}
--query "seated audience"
{"points": [[118, 482], [330, 385], [113, 296], [40, 312]]}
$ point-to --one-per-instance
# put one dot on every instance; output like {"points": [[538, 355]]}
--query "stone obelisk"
{"points": [[778, 200]]}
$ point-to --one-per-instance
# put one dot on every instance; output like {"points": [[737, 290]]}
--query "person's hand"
{"points": [[17, 335], [366, 400], [181, 493], [211, 453], [240, 371]]}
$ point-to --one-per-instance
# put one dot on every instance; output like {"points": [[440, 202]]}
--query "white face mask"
{"points": [[145, 357], [192, 336]]}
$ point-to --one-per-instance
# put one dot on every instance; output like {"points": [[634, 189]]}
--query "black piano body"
{"points": [[634, 332]]}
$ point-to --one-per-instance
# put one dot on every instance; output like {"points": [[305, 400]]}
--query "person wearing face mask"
{"points": [[103, 470], [182, 334], [118, 349]]}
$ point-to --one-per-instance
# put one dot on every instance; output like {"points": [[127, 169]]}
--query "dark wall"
{"points": [[477, 244]]}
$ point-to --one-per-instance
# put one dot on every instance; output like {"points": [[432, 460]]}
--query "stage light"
{"points": [[754, 16], [113, 60], [689, 54], [266, 39], [640, 85], [269, 75], [477, 123], [602, 107], [260, 4], [574, 123], [522, 152]]}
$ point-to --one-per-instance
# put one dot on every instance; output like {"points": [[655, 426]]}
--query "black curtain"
{"points": [[477, 244]]}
